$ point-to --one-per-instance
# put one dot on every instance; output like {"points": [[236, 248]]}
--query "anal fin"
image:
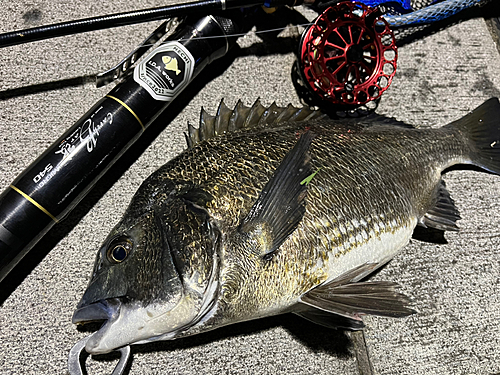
{"points": [[342, 301], [443, 214], [330, 320]]}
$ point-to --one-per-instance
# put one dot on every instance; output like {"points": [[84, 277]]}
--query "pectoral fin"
{"points": [[281, 204], [342, 302]]}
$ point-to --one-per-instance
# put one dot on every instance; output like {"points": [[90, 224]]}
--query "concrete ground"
{"points": [[453, 279]]}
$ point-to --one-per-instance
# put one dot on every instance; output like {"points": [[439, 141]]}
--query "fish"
{"points": [[277, 210]]}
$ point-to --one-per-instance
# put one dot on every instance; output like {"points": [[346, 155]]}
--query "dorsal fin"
{"points": [[374, 119], [243, 117]]}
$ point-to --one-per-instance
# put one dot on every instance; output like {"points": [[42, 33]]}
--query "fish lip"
{"points": [[103, 310], [106, 311]]}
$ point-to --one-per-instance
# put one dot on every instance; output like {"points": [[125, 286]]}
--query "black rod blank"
{"points": [[120, 19]]}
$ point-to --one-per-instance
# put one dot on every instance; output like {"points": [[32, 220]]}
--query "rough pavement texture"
{"points": [[453, 280]]}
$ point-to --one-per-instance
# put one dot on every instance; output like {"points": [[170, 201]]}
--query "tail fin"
{"points": [[482, 128]]}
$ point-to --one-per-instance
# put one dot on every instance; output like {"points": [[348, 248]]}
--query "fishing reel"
{"points": [[347, 58]]}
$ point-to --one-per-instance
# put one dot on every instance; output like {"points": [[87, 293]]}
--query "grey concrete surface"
{"points": [[453, 281]]}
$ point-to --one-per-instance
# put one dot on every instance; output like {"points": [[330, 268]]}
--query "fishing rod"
{"points": [[429, 12], [133, 17], [45, 192]]}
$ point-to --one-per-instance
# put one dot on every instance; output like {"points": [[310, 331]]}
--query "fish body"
{"points": [[277, 210]]}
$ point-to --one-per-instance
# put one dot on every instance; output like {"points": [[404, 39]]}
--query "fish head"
{"points": [[155, 276]]}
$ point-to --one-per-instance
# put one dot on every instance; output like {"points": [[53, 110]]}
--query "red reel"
{"points": [[348, 56]]}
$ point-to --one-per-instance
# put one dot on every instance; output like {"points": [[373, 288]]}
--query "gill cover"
{"points": [[156, 274]]}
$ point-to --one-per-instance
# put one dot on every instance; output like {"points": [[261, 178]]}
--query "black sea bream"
{"points": [[277, 210]]}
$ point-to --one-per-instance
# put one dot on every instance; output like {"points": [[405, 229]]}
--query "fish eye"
{"points": [[119, 249]]}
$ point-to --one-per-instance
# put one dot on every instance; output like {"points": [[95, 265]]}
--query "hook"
{"points": [[76, 367]]}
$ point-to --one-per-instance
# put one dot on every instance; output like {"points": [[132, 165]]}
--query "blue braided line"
{"points": [[373, 3], [432, 13]]}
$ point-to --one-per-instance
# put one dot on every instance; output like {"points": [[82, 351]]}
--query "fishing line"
{"points": [[250, 33]]}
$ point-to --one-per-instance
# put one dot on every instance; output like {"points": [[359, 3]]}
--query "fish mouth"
{"points": [[104, 311], [96, 312], [128, 322]]}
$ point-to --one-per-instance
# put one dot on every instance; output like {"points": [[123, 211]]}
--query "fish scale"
{"points": [[336, 156], [336, 159], [277, 210]]}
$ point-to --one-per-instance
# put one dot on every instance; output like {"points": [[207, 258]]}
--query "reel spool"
{"points": [[348, 56]]}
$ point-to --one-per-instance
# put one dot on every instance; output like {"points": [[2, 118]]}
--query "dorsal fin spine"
{"points": [[243, 117]]}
